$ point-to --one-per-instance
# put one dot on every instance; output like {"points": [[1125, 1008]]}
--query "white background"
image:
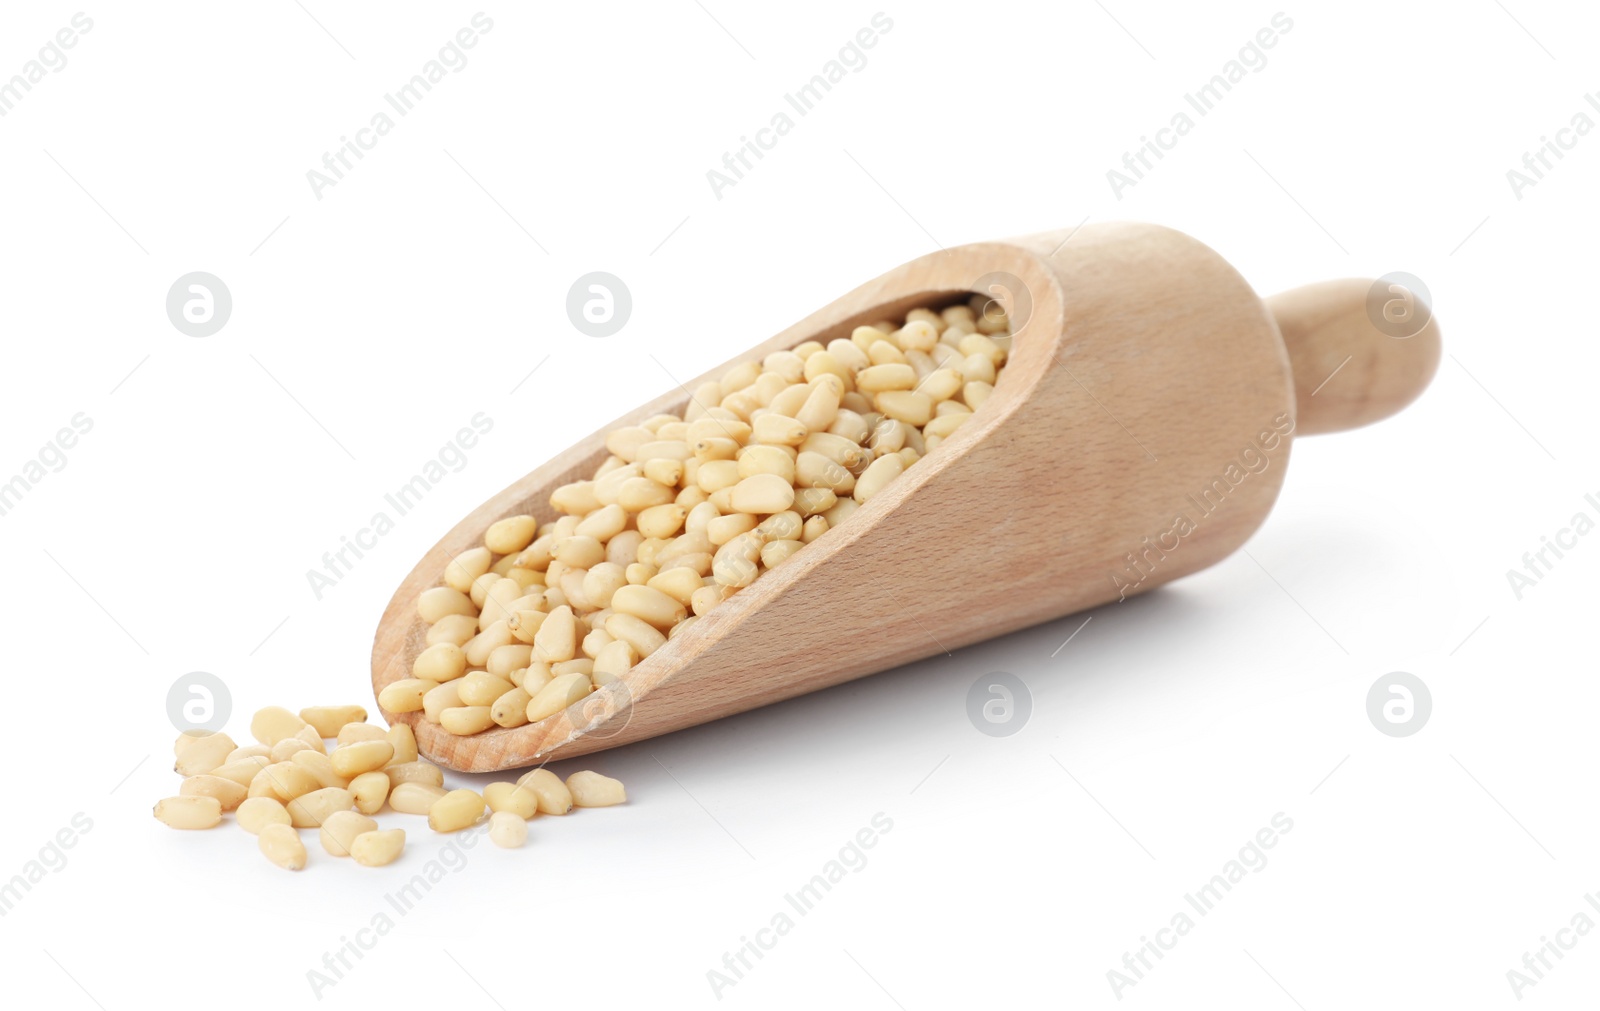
{"points": [[370, 324]]}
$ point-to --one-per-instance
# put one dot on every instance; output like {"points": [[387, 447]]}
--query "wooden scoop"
{"points": [[1139, 432]]}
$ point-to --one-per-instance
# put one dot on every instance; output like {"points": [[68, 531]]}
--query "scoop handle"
{"points": [[1360, 350]]}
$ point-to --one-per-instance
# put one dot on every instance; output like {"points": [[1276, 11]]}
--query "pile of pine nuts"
{"points": [[290, 780], [685, 512]]}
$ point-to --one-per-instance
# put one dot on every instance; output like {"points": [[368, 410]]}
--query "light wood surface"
{"points": [[1348, 372], [1135, 436]]}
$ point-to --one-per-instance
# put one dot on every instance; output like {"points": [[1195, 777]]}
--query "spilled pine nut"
{"points": [[257, 813], [507, 830], [378, 849], [328, 719], [189, 812], [273, 724], [351, 760], [415, 798], [552, 793], [370, 790], [311, 809], [226, 792], [198, 754], [455, 811], [590, 789], [511, 797], [281, 845], [341, 829], [414, 772]]}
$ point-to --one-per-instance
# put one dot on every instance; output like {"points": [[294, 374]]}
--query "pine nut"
{"points": [[535, 677], [883, 378], [557, 637], [256, 813], [225, 791], [480, 688], [944, 425], [441, 662], [189, 812], [763, 494], [602, 581], [242, 771], [273, 724], [553, 795], [442, 600], [735, 562], [524, 625], [370, 790], [705, 599], [328, 719], [509, 658], [511, 708], [877, 475], [415, 798], [511, 798], [198, 754], [595, 641], [510, 535], [582, 665], [465, 567], [283, 780], [841, 511], [404, 741], [813, 470], [590, 789], [247, 751], [351, 760], [353, 733], [436, 700], [486, 642], [497, 602], [774, 460], [678, 582], [977, 368], [576, 499], [311, 809], [560, 693], [457, 629], [648, 605], [321, 768], [341, 829], [811, 501], [642, 636], [942, 384], [455, 811], [281, 845], [377, 849], [775, 553], [507, 830], [285, 749], [908, 406], [403, 696], [615, 658], [414, 772], [465, 721]]}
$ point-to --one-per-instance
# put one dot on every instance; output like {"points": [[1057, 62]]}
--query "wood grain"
{"points": [[1347, 372], [1143, 389]]}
